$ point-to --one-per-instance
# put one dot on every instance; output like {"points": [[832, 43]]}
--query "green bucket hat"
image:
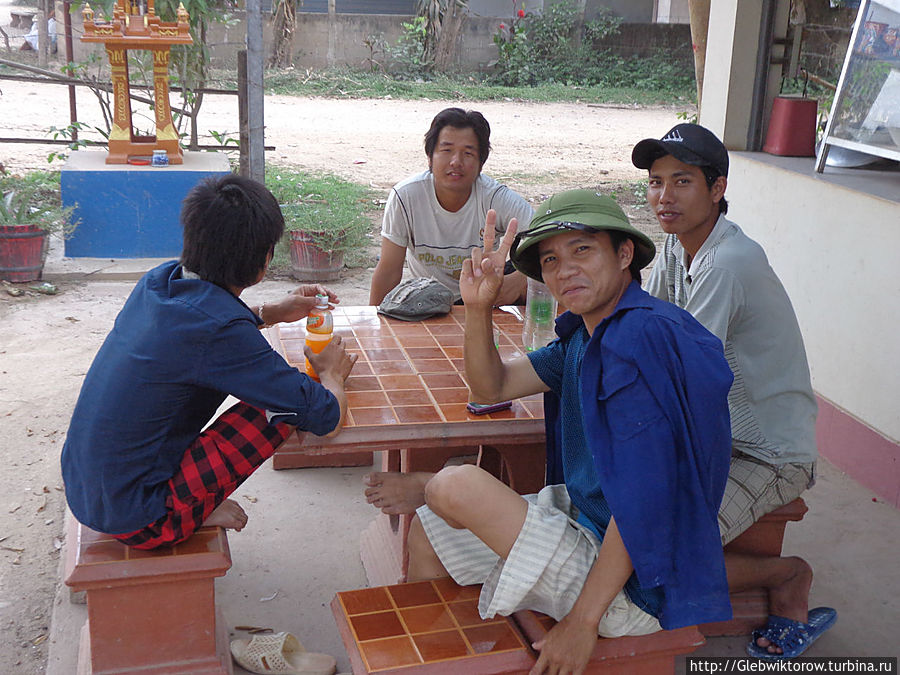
{"points": [[584, 210]]}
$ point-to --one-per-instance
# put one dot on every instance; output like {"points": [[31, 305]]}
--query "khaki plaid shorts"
{"points": [[755, 488]]}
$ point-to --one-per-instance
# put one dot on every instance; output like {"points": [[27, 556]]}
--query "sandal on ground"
{"points": [[280, 653], [794, 637]]}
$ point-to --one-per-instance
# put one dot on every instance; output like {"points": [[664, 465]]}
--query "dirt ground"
{"points": [[48, 341]]}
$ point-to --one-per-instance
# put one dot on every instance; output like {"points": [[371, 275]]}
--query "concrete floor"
{"points": [[302, 545]]}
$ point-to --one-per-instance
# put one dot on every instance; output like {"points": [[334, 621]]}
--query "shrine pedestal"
{"points": [[129, 211]]}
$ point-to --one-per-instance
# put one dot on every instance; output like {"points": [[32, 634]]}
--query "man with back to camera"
{"points": [[624, 539], [139, 461], [710, 268], [438, 216]]}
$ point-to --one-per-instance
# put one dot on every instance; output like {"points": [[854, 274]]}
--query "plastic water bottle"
{"points": [[540, 316], [319, 330]]}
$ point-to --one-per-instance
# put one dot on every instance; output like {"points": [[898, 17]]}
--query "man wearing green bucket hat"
{"points": [[623, 540]]}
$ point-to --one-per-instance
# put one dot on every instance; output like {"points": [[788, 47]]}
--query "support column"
{"points": [[730, 75], [120, 133], [166, 135]]}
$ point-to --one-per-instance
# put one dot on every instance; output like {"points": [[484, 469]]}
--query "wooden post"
{"points": [[332, 33], [43, 43], [70, 58], [243, 118], [699, 10], [255, 98]]}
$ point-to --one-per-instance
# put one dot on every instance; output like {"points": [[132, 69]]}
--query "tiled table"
{"points": [[407, 394], [408, 389]]}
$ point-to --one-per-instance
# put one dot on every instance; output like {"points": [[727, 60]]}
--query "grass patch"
{"points": [[44, 183], [343, 83], [323, 202]]}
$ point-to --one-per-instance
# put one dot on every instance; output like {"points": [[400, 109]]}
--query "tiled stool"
{"points": [[149, 611], [434, 627], [652, 654], [764, 538], [426, 627]]}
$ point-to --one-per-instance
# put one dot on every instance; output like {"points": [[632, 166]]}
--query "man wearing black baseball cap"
{"points": [[709, 267]]}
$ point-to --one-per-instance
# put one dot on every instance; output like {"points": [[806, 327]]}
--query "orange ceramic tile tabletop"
{"points": [[409, 380], [425, 623]]}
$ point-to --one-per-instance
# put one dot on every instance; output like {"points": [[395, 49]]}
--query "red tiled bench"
{"points": [[433, 627], [764, 538], [149, 611]]}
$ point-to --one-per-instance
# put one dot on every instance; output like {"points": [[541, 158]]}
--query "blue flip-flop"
{"points": [[794, 637]]}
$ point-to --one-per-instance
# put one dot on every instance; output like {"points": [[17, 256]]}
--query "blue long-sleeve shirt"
{"points": [[651, 387], [178, 348]]}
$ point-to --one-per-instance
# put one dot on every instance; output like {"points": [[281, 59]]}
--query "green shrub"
{"points": [[553, 47], [409, 57]]}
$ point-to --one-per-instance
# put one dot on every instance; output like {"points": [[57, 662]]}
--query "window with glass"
{"points": [[865, 115]]}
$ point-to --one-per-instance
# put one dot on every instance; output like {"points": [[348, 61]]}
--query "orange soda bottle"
{"points": [[319, 330]]}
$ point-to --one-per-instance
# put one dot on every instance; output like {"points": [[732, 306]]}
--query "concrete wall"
{"points": [[631, 11], [476, 52], [834, 246]]}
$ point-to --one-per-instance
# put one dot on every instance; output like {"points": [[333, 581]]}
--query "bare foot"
{"points": [[790, 599], [228, 514], [396, 493]]}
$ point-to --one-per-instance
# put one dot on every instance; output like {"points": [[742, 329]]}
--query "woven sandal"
{"points": [[280, 653]]}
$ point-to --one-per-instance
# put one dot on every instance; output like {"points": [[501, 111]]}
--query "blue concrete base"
{"points": [[130, 211]]}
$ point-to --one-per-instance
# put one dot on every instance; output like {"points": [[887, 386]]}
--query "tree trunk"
{"points": [[451, 27], [283, 30]]}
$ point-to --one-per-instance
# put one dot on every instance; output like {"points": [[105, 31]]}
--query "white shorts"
{"points": [[546, 568]]}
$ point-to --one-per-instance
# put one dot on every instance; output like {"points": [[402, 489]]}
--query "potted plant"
{"points": [[30, 211], [323, 234]]}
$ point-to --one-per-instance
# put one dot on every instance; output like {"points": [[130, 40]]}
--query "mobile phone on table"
{"points": [[482, 409]]}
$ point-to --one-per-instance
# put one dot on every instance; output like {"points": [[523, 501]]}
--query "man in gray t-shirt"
{"points": [[434, 219], [709, 267]]}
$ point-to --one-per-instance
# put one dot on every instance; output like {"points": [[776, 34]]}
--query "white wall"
{"points": [[836, 250]]}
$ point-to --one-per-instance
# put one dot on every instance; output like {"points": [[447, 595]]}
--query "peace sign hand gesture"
{"points": [[482, 274]]}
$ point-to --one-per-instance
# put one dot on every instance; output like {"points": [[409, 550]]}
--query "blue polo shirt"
{"points": [[177, 349]]}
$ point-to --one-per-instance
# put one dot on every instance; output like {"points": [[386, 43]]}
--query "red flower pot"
{"points": [[311, 263], [21, 252]]}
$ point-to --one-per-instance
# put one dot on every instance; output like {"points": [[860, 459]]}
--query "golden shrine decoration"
{"points": [[136, 26]]}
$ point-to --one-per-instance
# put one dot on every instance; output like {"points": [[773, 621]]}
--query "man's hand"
{"points": [[482, 273], [566, 649], [296, 305], [332, 362]]}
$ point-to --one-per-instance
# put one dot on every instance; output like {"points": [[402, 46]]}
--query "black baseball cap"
{"points": [[689, 143]]}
